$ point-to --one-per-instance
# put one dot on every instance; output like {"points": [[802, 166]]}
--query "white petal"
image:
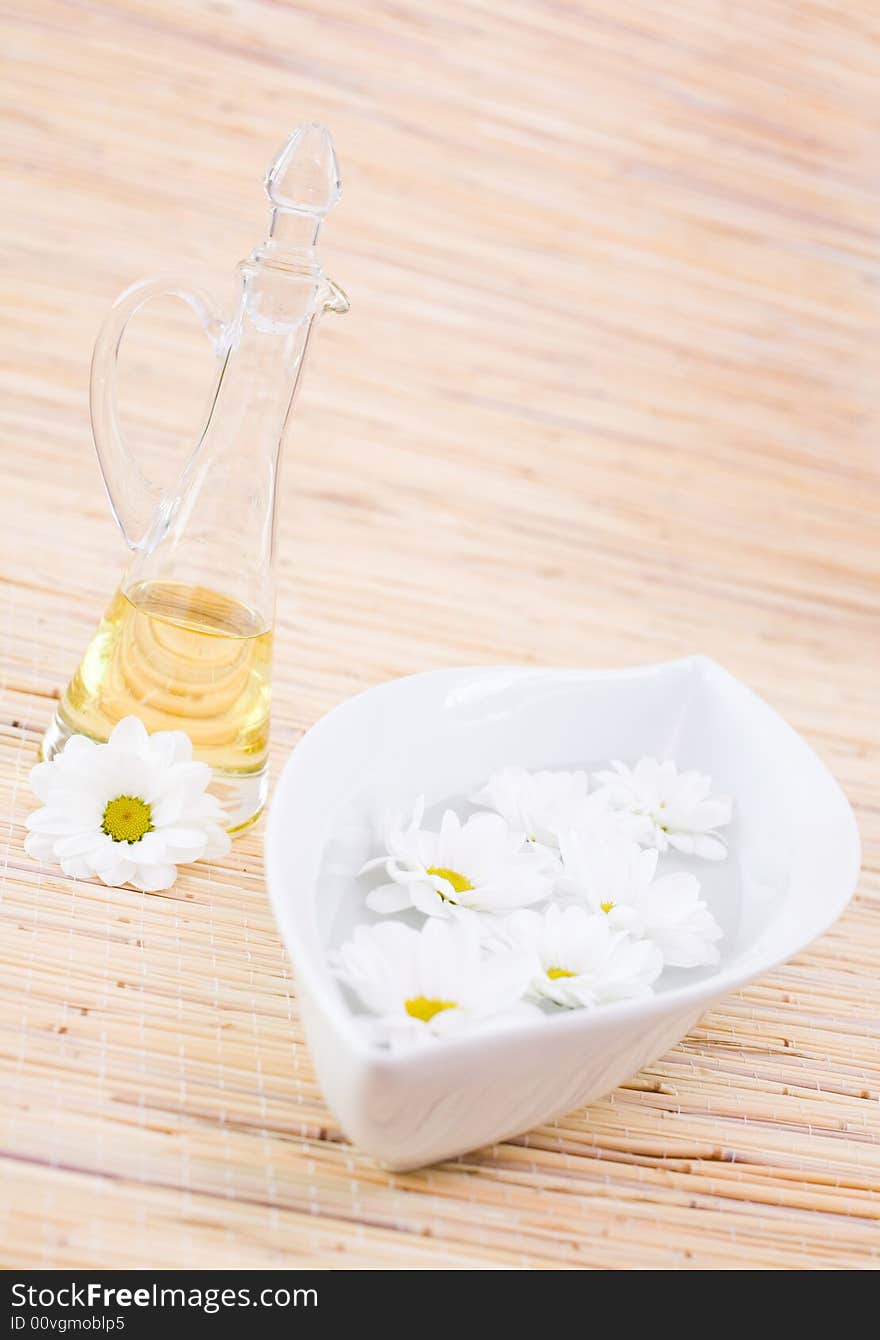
{"points": [[76, 802], [447, 1022], [52, 820], [168, 747], [503, 980], [41, 779], [78, 749], [127, 775], [77, 868], [152, 878], [388, 898], [40, 847], [373, 864], [149, 849], [709, 846], [426, 898], [446, 951], [167, 808], [129, 736], [217, 843], [78, 844], [690, 951], [183, 844], [183, 786], [116, 874], [107, 853], [194, 777], [625, 917], [379, 965]]}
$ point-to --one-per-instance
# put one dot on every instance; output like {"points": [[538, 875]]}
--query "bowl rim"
{"points": [[704, 991]]}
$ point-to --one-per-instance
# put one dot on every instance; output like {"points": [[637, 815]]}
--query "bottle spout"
{"points": [[303, 185]]}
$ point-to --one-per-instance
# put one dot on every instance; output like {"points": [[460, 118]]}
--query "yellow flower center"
{"points": [[606, 907], [459, 882], [424, 1007], [555, 973], [127, 819]]}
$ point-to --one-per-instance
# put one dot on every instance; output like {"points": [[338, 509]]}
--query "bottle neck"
{"points": [[293, 230]]}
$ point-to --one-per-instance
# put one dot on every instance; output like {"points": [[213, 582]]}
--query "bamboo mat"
{"points": [[609, 392]]}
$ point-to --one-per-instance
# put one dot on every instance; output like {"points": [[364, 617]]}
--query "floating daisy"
{"points": [[128, 811], [433, 982], [480, 865], [539, 804], [579, 959], [678, 805], [617, 878]]}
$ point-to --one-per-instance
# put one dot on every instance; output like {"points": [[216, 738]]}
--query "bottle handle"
{"points": [[134, 498]]}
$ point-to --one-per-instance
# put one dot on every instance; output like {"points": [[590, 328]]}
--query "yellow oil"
{"points": [[180, 658]]}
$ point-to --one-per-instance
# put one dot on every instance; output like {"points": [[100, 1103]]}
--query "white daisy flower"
{"points": [[479, 865], [129, 811], [579, 959], [545, 804], [617, 878], [681, 811], [432, 982]]}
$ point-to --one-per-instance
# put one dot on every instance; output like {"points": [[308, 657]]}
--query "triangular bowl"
{"points": [[792, 868]]}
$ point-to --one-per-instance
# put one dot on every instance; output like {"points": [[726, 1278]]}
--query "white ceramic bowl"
{"points": [[793, 864]]}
